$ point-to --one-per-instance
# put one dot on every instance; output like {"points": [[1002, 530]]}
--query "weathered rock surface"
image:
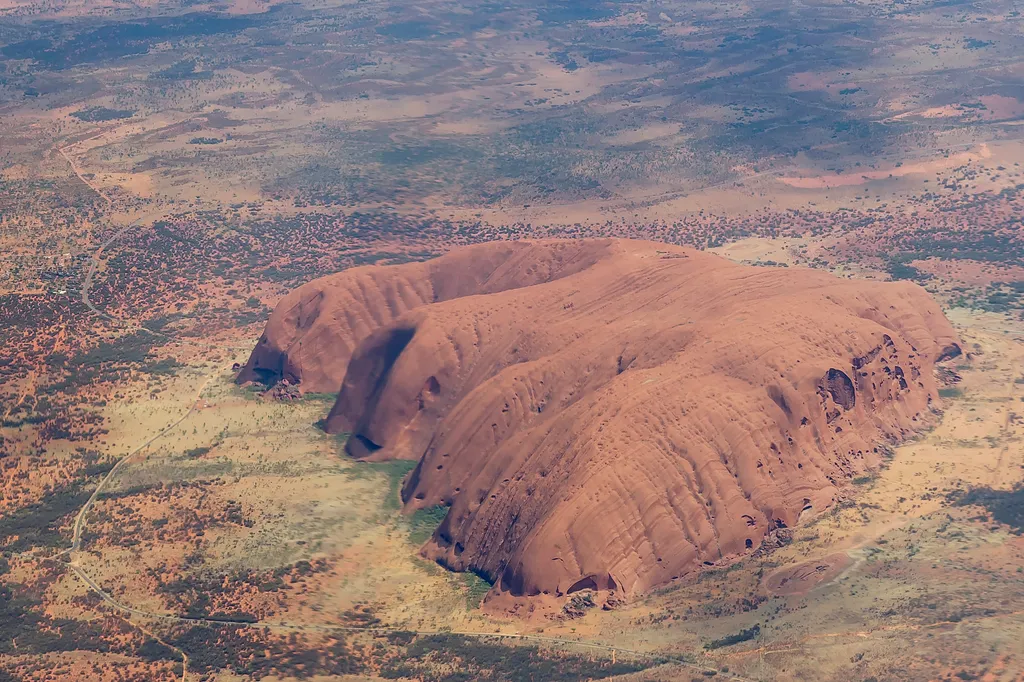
{"points": [[610, 414]]}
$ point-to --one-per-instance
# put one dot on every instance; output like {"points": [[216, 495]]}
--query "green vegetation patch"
{"points": [[998, 297], [66, 44], [568, 11], [455, 658], [424, 522], [321, 397], [408, 30], [246, 651], [183, 70], [39, 524], [476, 588], [729, 640], [26, 628], [108, 361], [900, 269], [394, 471], [397, 655], [976, 44], [100, 114], [164, 367], [1006, 506]]}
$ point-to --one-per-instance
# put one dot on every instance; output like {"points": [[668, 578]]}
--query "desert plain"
{"points": [[171, 172]]}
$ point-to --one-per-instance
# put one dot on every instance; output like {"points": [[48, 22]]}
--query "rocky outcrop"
{"points": [[610, 414], [313, 331]]}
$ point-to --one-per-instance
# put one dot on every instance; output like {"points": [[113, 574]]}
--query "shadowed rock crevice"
{"points": [[949, 352], [840, 387], [361, 394]]}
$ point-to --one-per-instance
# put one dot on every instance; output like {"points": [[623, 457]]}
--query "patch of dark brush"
{"points": [[1005, 506]]}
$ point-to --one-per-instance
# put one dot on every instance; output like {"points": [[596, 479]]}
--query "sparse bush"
{"points": [[729, 640], [101, 114], [424, 522], [1006, 506]]}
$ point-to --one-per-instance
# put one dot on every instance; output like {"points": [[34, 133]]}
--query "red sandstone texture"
{"points": [[610, 414]]}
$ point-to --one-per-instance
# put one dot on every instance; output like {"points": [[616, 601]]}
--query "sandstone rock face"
{"points": [[313, 332], [610, 414]]}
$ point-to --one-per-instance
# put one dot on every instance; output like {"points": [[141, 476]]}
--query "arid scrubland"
{"points": [[169, 172]]}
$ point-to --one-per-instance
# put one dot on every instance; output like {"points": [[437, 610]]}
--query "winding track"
{"points": [[94, 263], [130, 611], [76, 537]]}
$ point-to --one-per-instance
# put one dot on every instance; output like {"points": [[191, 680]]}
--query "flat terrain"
{"points": [[169, 171]]}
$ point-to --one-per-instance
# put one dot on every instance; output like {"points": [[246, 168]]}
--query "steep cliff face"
{"points": [[611, 414]]}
